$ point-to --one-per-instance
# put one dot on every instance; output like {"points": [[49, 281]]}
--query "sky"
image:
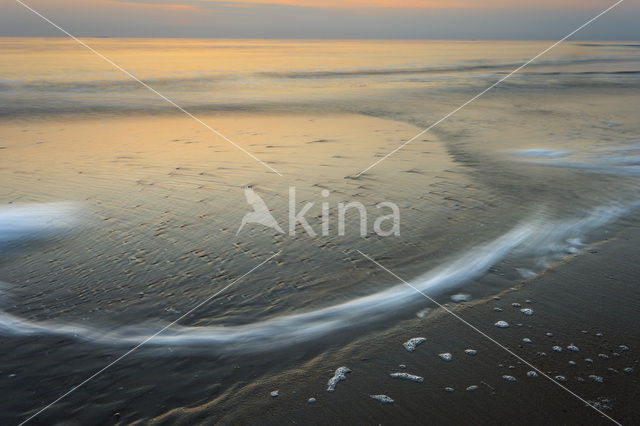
{"points": [[385, 19]]}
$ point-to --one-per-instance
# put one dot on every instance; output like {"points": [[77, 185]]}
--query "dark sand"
{"points": [[596, 291]]}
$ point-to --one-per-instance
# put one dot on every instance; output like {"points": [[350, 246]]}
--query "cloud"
{"points": [[393, 19], [389, 4]]}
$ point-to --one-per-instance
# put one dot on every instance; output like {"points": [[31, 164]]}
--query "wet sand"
{"points": [[160, 237], [594, 292]]}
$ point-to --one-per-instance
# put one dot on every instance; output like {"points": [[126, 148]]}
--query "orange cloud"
{"points": [[356, 4], [150, 3]]}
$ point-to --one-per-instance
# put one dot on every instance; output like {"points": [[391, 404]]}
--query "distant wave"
{"points": [[214, 78], [443, 69], [609, 45], [538, 237]]}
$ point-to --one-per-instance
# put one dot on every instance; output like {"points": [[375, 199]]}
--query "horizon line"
{"points": [[318, 38]]}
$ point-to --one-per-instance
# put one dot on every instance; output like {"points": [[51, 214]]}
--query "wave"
{"points": [[538, 237], [445, 69], [198, 81], [36, 221], [608, 161]]}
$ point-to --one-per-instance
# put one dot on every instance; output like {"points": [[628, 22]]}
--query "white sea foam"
{"points": [[411, 344], [573, 348], [595, 378], [407, 376], [382, 398], [446, 356], [461, 297], [35, 221], [340, 375], [538, 237], [605, 162]]}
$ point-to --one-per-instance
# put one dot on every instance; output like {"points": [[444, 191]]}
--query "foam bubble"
{"points": [[461, 297], [502, 324], [382, 398], [339, 376], [597, 379], [446, 356], [411, 344], [407, 376]]}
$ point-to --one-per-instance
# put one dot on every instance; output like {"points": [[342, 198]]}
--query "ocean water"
{"points": [[47, 76], [118, 214]]}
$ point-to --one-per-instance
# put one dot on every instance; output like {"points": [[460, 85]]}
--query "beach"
{"points": [[122, 217]]}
